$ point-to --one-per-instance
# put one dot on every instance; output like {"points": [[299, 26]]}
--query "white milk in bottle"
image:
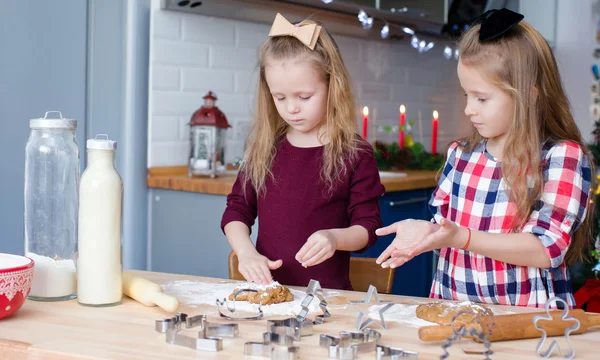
{"points": [[99, 267]]}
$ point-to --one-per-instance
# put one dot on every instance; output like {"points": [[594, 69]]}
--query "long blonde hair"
{"points": [[269, 128], [521, 63]]}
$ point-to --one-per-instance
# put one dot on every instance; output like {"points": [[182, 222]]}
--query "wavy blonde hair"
{"points": [[521, 63], [269, 128]]}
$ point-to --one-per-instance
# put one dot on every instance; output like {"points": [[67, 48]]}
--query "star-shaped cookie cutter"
{"points": [[313, 291], [274, 346], [477, 331], [390, 353], [224, 302], [565, 317], [290, 327], [371, 293], [350, 343], [209, 338]]}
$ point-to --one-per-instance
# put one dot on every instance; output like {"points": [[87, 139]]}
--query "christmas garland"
{"points": [[413, 157]]}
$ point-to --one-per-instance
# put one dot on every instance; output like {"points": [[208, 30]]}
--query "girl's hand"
{"points": [[409, 233], [257, 268], [447, 234], [319, 247]]}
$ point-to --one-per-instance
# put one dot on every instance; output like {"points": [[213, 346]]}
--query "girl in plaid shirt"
{"points": [[509, 212]]}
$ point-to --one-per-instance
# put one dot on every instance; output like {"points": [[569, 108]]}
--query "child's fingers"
{"points": [[312, 251], [245, 274], [251, 275], [316, 259], [395, 262], [273, 265], [390, 229], [385, 254], [303, 250], [265, 274]]}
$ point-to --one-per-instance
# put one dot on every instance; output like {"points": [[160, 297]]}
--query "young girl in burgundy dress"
{"points": [[310, 179]]}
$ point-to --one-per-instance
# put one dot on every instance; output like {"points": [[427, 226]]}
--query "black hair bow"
{"points": [[495, 23]]}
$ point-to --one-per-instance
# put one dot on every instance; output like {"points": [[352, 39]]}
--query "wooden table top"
{"points": [[176, 178], [67, 330]]}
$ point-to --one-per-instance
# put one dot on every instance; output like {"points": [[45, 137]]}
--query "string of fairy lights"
{"points": [[416, 42]]}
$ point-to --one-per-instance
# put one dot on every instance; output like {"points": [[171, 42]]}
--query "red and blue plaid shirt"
{"points": [[472, 193]]}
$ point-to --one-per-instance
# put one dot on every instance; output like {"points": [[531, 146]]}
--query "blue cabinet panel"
{"points": [[414, 277]]}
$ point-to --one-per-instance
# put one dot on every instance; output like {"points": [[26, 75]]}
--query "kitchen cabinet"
{"points": [[413, 278], [186, 238], [185, 234]]}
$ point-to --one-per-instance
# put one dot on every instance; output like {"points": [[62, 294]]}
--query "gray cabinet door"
{"points": [[185, 234]]}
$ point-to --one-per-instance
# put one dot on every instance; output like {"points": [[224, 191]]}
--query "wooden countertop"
{"points": [[67, 330], [176, 178]]}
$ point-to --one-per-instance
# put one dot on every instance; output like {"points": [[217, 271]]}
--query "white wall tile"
{"points": [[236, 104], [176, 103], [167, 25], [222, 57], [165, 77], [246, 81], [168, 153], [375, 91], [206, 31], [250, 35], [179, 53], [164, 128], [184, 127], [197, 79]]}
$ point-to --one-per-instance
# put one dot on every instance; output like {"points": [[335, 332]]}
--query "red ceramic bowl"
{"points": [[16, 273]]}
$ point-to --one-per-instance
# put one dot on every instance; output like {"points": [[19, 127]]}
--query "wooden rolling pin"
{"points": [[520, 326], [148, 293]]}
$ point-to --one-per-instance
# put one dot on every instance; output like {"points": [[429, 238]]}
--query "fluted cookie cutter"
{"points": [[361, 323], [209, 338], [274, 346], [313, 291], [565, 317], [224, 302], [350, 343], [477, 330], [291, 327], [390, 353]]}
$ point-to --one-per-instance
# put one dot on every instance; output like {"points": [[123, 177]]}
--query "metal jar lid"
{"points": [[52, 123]]}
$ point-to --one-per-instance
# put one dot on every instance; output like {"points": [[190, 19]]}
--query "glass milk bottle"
{"points": [[50, 204], [99, 268]]}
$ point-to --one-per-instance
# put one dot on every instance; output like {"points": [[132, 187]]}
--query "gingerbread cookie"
{"points": [[274, 293], [442, 312]]}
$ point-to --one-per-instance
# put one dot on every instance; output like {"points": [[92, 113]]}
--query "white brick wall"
{"points": [[192, 54]]}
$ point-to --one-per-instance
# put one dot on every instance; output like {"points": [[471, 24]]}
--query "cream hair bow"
{"points": [[307, 34]]}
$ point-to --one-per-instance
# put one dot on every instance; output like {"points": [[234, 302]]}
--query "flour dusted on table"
{"points": [[198, 293]]}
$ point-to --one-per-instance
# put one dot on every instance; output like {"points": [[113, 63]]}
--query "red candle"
{"points": [[434, 132], [365, 122], [402, 124]]}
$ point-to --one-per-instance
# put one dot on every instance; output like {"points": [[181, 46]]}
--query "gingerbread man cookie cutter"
{"points": [[350, 343], [565, 317], [225, 303], [274, 346], [390, 353], [209, 338], [314, 291]]}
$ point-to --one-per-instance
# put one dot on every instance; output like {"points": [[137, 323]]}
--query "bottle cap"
{"points": [[101, 142]]}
